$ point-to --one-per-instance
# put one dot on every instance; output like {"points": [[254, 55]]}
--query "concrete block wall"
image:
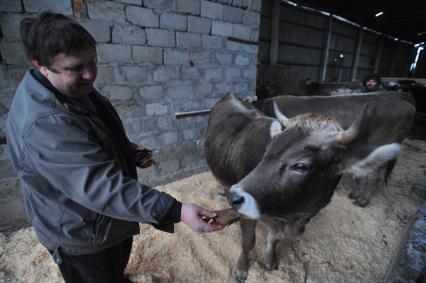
{"points": [[155, 58]]}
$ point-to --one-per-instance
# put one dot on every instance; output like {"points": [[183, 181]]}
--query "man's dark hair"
{"points": [[371, 77], [50, 34]]}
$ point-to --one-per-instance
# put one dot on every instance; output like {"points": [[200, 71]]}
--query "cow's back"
{"points": [[235, 128], [390, 111], [389, 115]]}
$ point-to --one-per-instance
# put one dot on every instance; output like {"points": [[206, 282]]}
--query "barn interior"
{"points": [[164, 64]]}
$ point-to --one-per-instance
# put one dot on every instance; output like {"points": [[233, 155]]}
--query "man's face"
{"points": [[371, 84], [72, 74]]}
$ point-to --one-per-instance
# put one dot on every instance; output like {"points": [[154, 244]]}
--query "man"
{"points": [[76, 165], [371, 83]]}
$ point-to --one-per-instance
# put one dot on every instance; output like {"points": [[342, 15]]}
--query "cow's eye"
{"points": [[299, 167]]}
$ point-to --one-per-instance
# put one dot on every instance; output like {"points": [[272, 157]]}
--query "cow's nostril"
{"points": [[236, 199]]}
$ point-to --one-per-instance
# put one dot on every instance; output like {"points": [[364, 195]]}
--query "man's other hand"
{"points": [[143, 157]]}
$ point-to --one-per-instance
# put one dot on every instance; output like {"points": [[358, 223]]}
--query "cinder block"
{"points": [[224, 58], [13, 53], [232, 74], [200, 57], [9, 24], [160, 37], [211, 42], [98, 29], [213, 74], [188, 135], [241, 31], [169, 138], [174, 21], [211, 10], [203, 89], [256, 5], [165, 74], [233, 14], [156, 109], [250, 74], [114, 53], [118, 92], [191, 73], [146, 54], [38, 6], [221, 28], [180, 91], [169, 166], [10, 6], [254, 35], [188, 6], [241, 60], [105, 74], [131, 2], [136, 74], [199, 25], [128, 34], [142, 17], [106, 10], [241, 88], [188, 40], [251, 19], [165, 123], [176, 57], [164, 5], [151, 92]]}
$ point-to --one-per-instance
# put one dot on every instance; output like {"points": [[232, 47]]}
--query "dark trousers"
{"points": [[106, 266]]}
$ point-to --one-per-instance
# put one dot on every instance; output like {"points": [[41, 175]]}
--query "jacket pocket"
{"points": [[96, 229]]}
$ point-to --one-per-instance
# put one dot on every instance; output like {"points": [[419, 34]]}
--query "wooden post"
{"points": [[275, 32], [326, 49], [378, 55], [355, 58]]}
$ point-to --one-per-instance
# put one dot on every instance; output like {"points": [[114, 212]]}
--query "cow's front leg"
{"points": [[271, 261], [365, 196], [360, 183], [248, 239]]}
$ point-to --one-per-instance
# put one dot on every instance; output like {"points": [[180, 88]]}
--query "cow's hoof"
{"points": [[241, 275], [271, 265], [361, 202], [354, 194]]}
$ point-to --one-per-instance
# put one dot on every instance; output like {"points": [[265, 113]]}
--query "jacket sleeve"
{"points": [[61, 148]]}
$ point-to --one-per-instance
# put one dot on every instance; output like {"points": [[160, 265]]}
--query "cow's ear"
{"points": [[275, 128]]}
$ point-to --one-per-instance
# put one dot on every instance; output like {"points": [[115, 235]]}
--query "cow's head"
{"points": [[299, 170]]}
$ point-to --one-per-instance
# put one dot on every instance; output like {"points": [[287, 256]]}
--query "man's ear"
{"points": [[41, 68]]}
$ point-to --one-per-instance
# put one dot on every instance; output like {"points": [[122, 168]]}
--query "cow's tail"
{"points": [[389, 168]]}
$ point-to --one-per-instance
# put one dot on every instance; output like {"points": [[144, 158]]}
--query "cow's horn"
{"points": [[280, 116], [350, 134]]}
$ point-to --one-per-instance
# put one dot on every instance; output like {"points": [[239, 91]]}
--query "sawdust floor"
{"points": [[343, 243]]}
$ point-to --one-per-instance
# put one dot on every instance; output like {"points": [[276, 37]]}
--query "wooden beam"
{"points": [[326, 49], [355, 58], [275, 32]]}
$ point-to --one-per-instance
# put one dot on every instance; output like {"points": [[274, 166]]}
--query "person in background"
{"points": [[76, 165], [371, 83]]}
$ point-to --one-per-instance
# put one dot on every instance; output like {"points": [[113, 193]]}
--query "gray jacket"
{"points": [[78, 176]]}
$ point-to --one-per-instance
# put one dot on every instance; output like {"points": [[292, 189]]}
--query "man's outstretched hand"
{"points": [[143, 157], [198, 218]]}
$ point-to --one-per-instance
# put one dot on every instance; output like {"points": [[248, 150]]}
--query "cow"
{"points": [[384, 127], [282, 171]]}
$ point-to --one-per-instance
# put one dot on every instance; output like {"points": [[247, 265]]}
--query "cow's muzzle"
{"points": [[243, 202]]}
